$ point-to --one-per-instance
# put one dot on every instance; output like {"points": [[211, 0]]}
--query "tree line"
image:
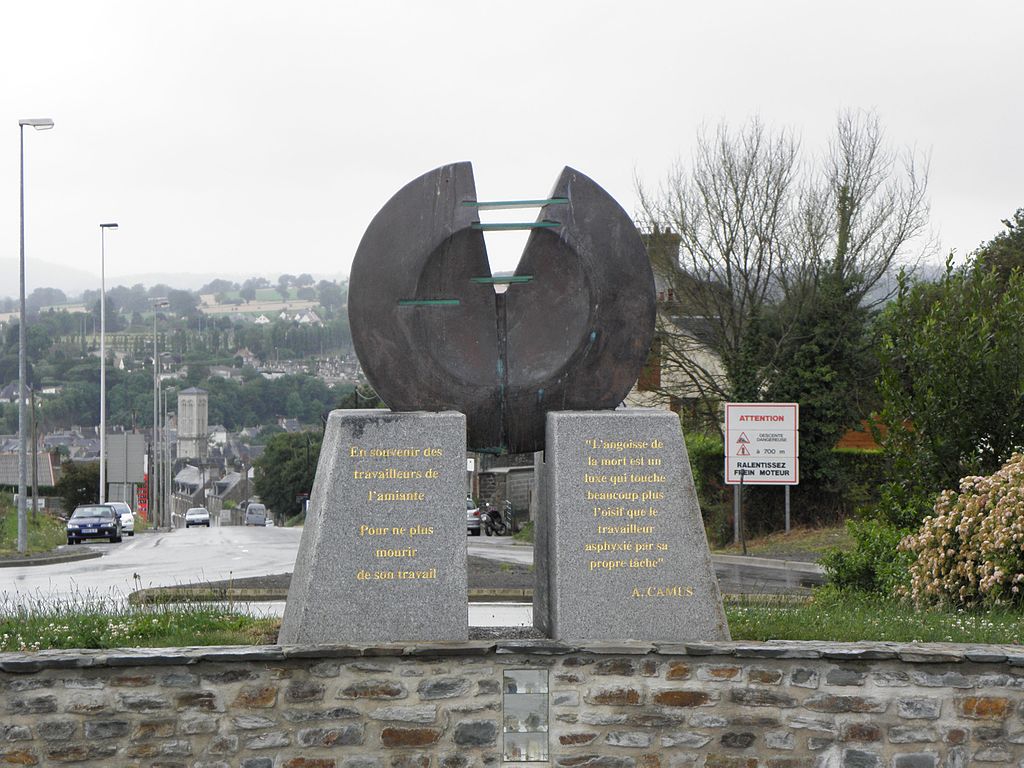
{"points": [[951, 394], [251, 401]]}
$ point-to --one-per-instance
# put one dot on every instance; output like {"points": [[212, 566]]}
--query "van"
{"points": [[256, 514]]}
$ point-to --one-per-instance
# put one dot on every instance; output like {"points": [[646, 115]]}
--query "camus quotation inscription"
{"points": [[623, 486]]}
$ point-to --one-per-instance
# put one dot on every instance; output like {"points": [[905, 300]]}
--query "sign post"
{"points": [[761, 448]]}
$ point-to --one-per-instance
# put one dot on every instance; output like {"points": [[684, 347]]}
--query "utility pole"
{"points": [[168, 467], [40, 124], [35, 459]]}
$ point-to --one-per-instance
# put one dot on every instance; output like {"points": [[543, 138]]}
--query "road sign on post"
{"points": [[762, 443]]}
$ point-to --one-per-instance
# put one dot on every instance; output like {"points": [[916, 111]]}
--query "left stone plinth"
{"points": [[383, 551]]}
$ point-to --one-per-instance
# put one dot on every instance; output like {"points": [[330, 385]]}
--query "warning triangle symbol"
{"points": [[743, 451], [743, 438]]}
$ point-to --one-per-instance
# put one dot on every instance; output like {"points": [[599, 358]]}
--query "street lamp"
{"points": [[168, 467], [103, 361], [158, 302], [40, 124]]}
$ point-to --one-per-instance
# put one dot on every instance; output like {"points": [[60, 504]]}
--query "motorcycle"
{"points": [[493, 521]]}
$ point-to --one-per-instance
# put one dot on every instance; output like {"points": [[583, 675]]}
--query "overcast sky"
{"points": [[261, 137]]}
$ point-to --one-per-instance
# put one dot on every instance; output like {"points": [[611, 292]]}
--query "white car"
{"points": [[124, 511], [197, 516]]}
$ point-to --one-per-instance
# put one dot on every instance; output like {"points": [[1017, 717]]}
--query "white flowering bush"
{"points": [[970, 551]]}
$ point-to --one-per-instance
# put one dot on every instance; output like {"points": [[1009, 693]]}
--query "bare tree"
{"points": [[729, 216], [865, 210], [747, 242]]}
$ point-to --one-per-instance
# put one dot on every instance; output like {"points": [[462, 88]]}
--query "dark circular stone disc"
{"points": [[573, 337]]}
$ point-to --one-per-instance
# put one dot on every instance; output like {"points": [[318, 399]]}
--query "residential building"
{"points": [[680, 331], [47, 468]]}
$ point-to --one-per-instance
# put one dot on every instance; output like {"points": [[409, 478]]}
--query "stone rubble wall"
{"points": [[628, 705]]}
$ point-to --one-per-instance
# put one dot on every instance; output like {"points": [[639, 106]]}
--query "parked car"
{"points": [[127, 516], [256, 514], [197, 516], [94, 521], [472, 518]]}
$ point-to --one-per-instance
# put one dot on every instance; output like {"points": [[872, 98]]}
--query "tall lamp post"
{"points": [[103, 361], [40, 124], [168, 466], [158, 303]]}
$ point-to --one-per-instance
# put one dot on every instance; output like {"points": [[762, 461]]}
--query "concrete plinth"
{"points": [[383, 552], [620, 548]]}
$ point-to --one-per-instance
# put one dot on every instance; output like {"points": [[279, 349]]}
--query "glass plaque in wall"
{"points": [[525, 715]]}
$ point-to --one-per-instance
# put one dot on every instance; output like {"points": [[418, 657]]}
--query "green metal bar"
{"points": [[428, 302], [501, 280], [498, 227], [498, 205]]}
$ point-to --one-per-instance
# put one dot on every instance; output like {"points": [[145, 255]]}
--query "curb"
{"points": [[152, 595], [797, 566], [481, 595], [807, 574], [203, 595], [65, 557]]}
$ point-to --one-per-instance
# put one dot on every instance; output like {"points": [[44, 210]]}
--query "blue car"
{"points": [[94, 521]]}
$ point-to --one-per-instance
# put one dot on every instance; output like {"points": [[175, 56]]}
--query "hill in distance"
{"points": [[72, 281]]}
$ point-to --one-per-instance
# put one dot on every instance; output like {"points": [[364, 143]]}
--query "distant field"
{"points": [[257, 307], [263, 294]]}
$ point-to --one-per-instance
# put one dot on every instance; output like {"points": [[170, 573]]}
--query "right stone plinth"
{"points": [[620, 549]]}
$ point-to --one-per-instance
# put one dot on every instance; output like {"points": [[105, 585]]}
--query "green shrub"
{"points": [[873, 564], [525, 532], [971, 550], [707, 463], [863, 473]]}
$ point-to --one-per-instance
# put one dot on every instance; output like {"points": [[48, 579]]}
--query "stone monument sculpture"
{"points": [[571, 332], [621, 551]]}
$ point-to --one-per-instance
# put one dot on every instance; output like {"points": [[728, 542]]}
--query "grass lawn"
{"points": [[799, 544], [836, 617], [44, 532], [828, 616], [93, 624]]}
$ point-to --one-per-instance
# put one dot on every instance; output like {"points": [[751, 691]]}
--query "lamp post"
{"points": [[40, 124], [168, 466], [157, 302], [158, 466], [103, 361]]}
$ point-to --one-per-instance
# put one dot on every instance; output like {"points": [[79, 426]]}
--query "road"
{"points": [[501, 548], [186, 556], [163, 559], [189, 555], [746, 575]]}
